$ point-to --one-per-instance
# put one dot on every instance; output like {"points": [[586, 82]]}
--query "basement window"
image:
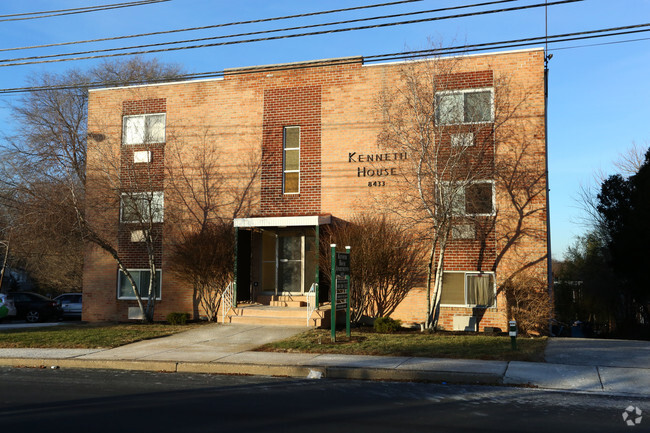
{"points": [[141, 277], [469, 289]]}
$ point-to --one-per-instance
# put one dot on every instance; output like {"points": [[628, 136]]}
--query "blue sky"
{"points": [[599, 95]]}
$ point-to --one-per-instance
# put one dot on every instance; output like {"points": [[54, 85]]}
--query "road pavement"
{"points": [[71, 400]]}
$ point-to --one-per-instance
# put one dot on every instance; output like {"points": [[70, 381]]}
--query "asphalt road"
{"points": [[34, 400]]}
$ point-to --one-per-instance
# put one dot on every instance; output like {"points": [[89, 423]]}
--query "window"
{"points": [[141, 207], [479, 198], [468, 288], [474, 199], [146, 128], [141, 277], [464, 106], [291, 160]]}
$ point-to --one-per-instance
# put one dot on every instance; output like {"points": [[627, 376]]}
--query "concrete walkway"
{"points": [[228, 349]]}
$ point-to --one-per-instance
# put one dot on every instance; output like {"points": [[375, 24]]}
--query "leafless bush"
{"points": [[385, 263], [529, 303], [205, 258]]}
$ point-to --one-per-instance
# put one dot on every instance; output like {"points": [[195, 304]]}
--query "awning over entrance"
{"points": [[291, 221], [278, 256]]}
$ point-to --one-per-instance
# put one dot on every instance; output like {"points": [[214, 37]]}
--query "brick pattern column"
{"points": [[293, 106]]}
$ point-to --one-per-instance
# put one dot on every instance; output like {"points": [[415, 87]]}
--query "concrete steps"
{"points": [[277, 311], [283, 300]]}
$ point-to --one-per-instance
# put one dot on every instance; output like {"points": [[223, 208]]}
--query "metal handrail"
{"points": [[312, 302], [227, 300]]}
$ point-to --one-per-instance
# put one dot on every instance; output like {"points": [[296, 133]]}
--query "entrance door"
{"points": [[290, 258]]}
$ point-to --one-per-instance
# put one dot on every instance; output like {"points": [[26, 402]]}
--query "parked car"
{"points": [[7, 307], [34, 307], [70, 304]]}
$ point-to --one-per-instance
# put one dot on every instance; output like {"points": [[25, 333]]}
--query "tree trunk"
{"points": [[4, 263]]}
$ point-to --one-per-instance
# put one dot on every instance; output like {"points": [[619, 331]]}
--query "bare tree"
{"points": [[628, 164], [49, 150], [469, 170]]}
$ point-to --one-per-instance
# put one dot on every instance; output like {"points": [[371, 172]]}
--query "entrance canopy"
{"points": [[292, 221], [277, 256]]}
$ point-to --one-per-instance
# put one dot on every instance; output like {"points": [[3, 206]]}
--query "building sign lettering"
{"points": [[376, 171]]}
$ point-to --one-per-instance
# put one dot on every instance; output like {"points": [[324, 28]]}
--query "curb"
{"points": [[304, 371], [412, 375]]}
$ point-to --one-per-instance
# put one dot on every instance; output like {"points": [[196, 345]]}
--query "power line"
{"points": [[262, 20], [256, 32], [321, 32], [588, 34], [74, 11], [600, 44], [614, 31]]}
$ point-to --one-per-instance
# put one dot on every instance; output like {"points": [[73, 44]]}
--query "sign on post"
{"points": [[340, 288], [342, 265], [341, 294]]}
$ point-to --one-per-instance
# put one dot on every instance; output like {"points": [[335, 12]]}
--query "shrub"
{"points": [[529, 304], [178, 318], [385, 263], [387, 325]]}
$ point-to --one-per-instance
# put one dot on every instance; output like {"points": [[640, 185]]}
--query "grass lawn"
{"points": [[414, 343], [87, 336]]}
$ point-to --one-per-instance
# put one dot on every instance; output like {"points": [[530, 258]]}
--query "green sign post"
{"points": [[340, 287]]}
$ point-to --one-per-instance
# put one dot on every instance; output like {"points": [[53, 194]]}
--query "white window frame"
{"points": [[463, 92], [142, 139], [465, 287], [157, 197], [132, 297], [284, 158]]}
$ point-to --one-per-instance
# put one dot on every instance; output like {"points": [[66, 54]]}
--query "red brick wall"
{"points": [[141, 177], [144, 106], [292, 106], [466, 80]]}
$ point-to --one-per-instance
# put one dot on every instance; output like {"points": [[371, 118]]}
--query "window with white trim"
{"points": [[142, 207], [144, 129], [464, 106], [291, 160], [474, 289], [474, 199], [141, 278]]}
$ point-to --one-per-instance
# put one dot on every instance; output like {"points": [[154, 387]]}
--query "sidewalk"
{"points": [[229, 350]]}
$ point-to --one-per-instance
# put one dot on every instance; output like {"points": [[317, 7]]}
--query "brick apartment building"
{"points": [[313, 128]]}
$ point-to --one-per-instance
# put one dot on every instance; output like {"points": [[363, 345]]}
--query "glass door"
{"points": [[288, 260], [290, 257]]}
